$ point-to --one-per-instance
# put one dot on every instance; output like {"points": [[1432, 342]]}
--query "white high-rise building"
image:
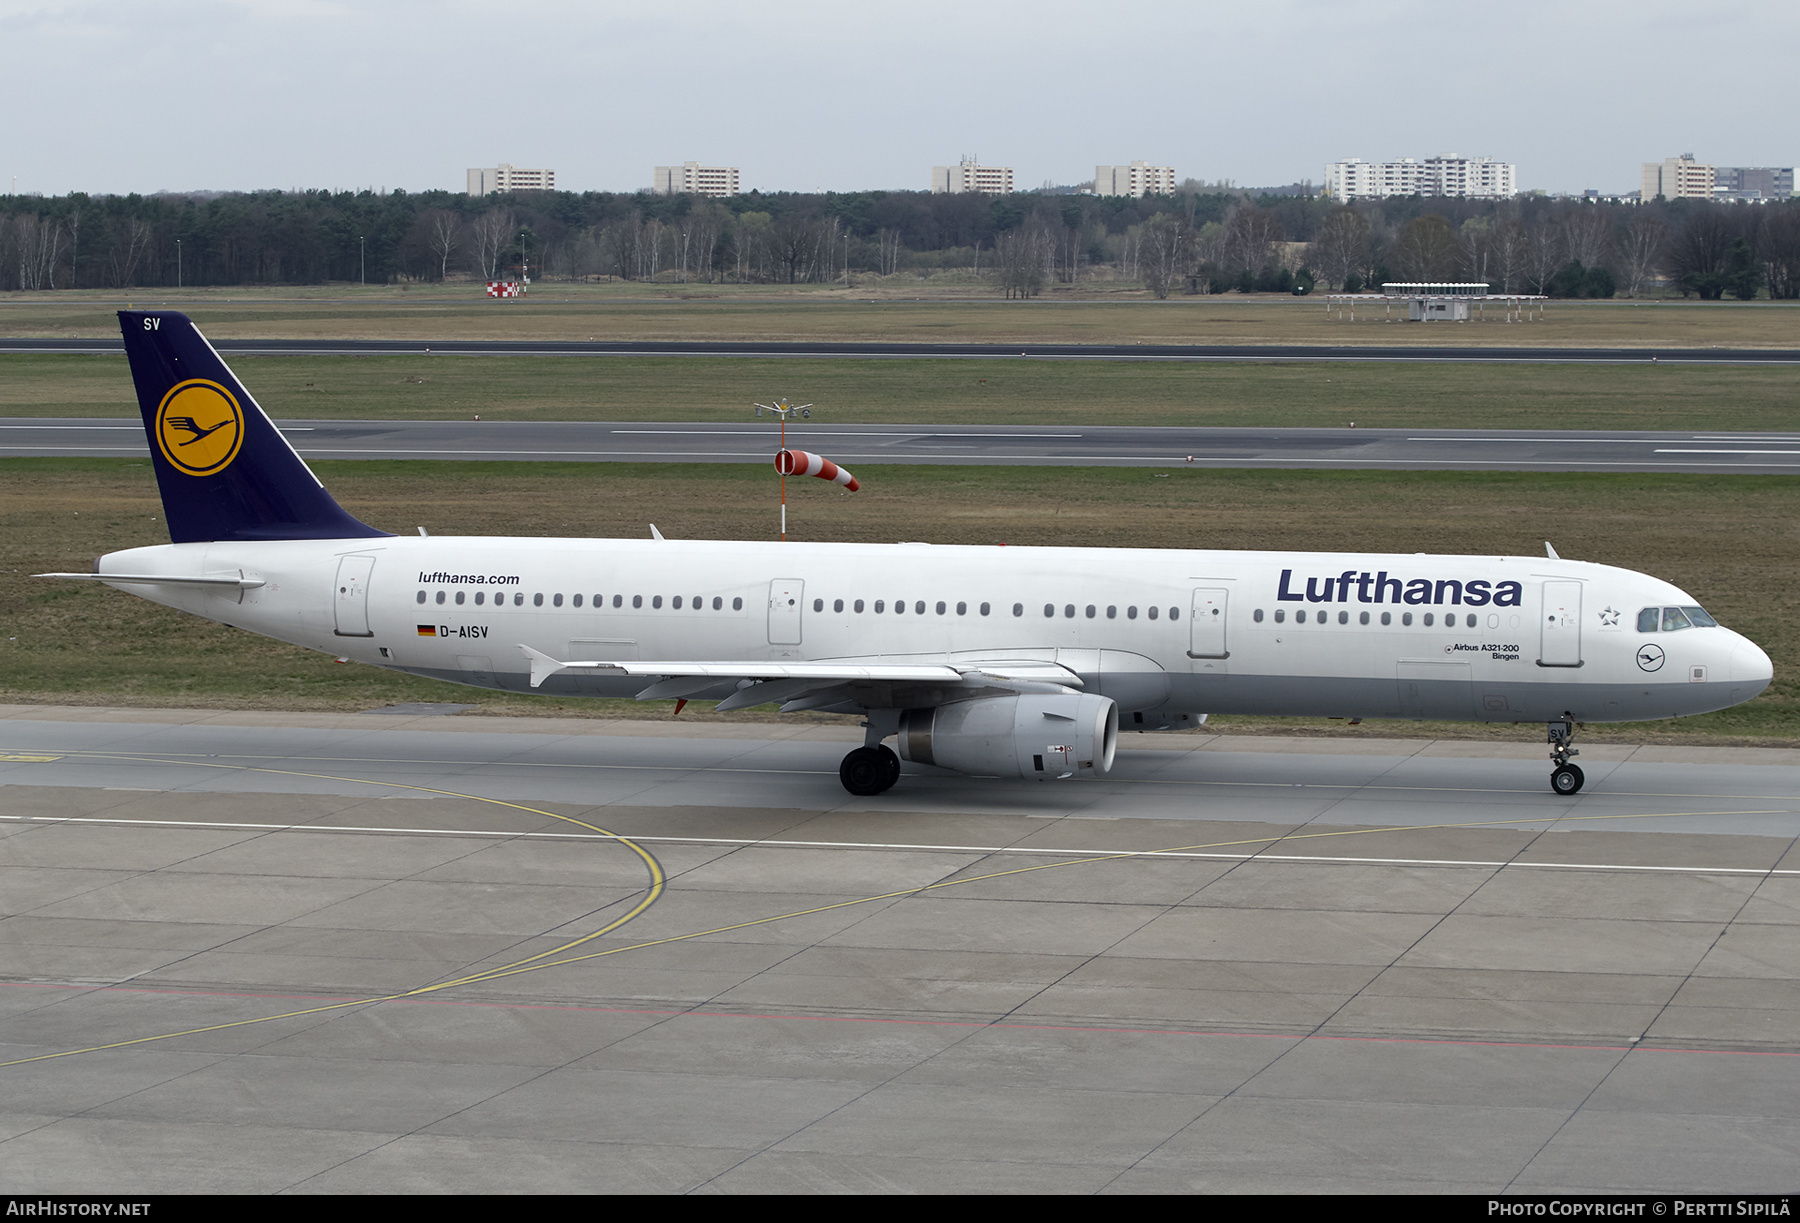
{"points": [[692, 178], [1678, 178], [1447, 174], [1137, 179], [968, 175], [504, 178]]}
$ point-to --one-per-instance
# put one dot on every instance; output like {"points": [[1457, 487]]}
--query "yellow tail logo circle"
{"points": [[199, 427]]}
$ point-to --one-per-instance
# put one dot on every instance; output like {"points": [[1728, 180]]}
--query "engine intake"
{"points": [[1046, 737]]}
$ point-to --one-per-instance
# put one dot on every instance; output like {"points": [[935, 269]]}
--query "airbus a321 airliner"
{"points": [[999, 662]]}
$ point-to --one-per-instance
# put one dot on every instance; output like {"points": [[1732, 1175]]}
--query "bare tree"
{"points": [[1508, 245], [1167, 251], [1426, 249], [131, 238], [1543, 255], [40, 245], [1780, 249], [1697, 254], [1341, 245], [888, 243], [443, 232], [1022, 255], [1250, 237], [794, 243], [1640, 247], [1587, 233], [493, 229], [1475, 249]]}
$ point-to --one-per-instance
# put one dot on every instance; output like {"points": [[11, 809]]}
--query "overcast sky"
{"points": [[805, 95]]}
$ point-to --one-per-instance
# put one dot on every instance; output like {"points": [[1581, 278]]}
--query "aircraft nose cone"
{"points": [[1749, 665]]}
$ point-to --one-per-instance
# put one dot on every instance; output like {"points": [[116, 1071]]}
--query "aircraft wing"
{"points": [[763, 682]]}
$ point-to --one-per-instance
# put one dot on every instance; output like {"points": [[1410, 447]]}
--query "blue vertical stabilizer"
{"points": [[225, 471]]}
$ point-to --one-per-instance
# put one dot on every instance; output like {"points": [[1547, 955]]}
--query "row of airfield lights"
{"points": [[801, 462]]}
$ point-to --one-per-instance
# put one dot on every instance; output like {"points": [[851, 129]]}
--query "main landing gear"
{"points": [[869, 770], [1565, 778]]}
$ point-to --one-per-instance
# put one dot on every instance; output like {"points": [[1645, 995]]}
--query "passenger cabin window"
{"points": [[737, 604], [818, 605], [1257, 615], [480, 598], [440, 596], [421, 596]]}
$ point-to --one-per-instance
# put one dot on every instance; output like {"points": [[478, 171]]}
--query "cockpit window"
{"points": [[1700, 618], [1648, 619], [1673, 620]]}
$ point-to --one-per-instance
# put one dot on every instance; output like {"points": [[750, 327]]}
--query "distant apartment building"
{"points": [[968, 175], [1754, 184], [692, 178], [1678, 178], [504, 178], [1140, 178], [1465, 177]]}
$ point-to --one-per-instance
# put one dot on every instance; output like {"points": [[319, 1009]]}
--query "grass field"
{"points": [[903, 308], [1373, 394], [1732, 542]]}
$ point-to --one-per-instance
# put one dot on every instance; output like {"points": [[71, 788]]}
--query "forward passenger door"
{"points": [[1206, 624]]}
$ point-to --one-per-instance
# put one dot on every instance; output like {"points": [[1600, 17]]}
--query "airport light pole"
{"points": [[362, 246], [178, 263]]}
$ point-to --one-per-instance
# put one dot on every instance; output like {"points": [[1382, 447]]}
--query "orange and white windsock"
{"points": [[803, 463]]}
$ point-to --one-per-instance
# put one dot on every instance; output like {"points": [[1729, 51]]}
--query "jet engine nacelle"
{"points": [[1045, 737]]}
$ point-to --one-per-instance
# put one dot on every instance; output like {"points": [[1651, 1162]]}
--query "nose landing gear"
{"points": [[1565, 778]]}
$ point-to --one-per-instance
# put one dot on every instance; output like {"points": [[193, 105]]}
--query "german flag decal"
{"points": [[428, 630]]}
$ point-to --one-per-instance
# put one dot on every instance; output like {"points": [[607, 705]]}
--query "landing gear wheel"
{"points": [[1565, 778], [869, 770]]}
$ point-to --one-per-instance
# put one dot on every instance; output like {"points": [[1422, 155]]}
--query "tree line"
{"points": [[1200, 240]]}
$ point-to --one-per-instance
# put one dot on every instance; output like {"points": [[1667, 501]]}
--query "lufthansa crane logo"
{"points": [[199, 427]]}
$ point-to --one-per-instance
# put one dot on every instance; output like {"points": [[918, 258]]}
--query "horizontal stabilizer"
{"points": [[159, 579]]}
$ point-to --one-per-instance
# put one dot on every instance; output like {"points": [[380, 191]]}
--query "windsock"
{"points": [[803, 463]]}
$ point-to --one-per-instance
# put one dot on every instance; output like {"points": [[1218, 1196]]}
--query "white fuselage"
{"points": [[1164, 633]]}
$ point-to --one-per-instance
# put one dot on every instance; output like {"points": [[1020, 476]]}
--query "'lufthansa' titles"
{"points": [[1353, 587]]}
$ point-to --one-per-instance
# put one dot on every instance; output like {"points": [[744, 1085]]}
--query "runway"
{"points": [[397, 952], [1007, 445], [875, 350]]}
